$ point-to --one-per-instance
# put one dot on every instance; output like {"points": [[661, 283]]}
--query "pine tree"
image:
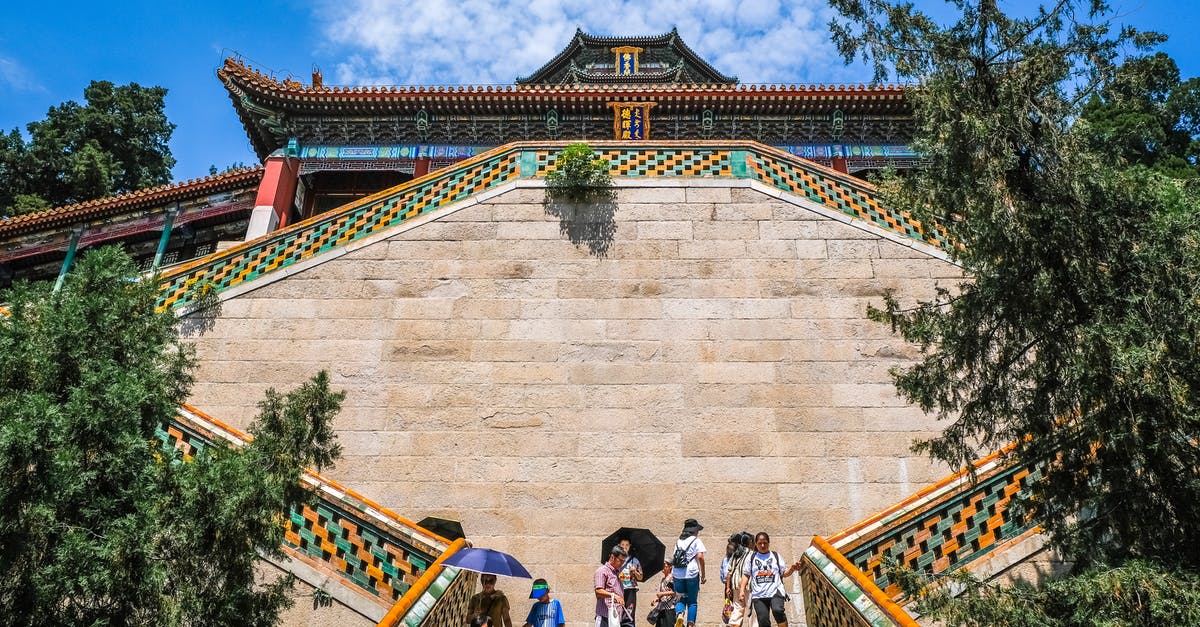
{"points": [[1076, 335], [100, 523]]}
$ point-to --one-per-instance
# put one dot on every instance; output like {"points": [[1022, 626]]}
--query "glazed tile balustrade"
{"points": [[955, 523], [377, 214], [366, 547]]}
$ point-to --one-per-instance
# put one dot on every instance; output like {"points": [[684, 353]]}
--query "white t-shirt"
{"points": [[766, 574], [694, 546]]}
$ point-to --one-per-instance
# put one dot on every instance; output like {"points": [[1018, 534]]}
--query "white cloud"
{"points": [[16, 77], [439, 42]]}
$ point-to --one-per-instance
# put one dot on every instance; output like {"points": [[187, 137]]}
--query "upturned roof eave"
{"points": [[121, 203], [263, 86]]}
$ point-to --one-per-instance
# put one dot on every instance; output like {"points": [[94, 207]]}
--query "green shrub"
{"points": [[579, 176]]}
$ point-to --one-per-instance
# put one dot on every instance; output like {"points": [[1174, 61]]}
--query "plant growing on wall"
{"points": [[578, 176], [579, 192]]}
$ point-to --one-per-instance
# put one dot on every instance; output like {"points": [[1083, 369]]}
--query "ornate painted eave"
{"points": [[263, 86], [266, 105], [255, 94], [114, 205], [582, 40]]}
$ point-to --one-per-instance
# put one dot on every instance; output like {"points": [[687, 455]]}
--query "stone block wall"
{"points": [[716, 364]]}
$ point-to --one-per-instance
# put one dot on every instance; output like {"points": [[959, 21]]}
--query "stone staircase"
{"points": [[388, 569]]}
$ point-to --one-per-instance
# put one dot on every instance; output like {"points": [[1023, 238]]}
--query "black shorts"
{"points": [[773, 605]]}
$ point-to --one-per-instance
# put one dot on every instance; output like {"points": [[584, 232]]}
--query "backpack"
{"points": [[680, 559]]}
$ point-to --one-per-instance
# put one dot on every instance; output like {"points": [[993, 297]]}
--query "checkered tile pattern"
{"points": [[937, 533], [362, 553], [949, 533], [824, 602], [373, 215], [333, 533], [445, 602], [185, 438], [336, 229], [653, 162], [837, 194]]}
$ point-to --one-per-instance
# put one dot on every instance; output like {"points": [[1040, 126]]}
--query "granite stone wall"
{"points": [[716, 363]]}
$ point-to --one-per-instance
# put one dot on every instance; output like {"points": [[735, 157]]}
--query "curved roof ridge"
{"points": [[613, 39], [669, 38], [563, 55], [148, 195]]}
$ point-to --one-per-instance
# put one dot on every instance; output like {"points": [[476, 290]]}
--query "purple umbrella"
{"points": [[488, 561]]}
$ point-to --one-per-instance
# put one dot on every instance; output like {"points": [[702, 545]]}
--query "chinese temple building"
{"points": [[695, 346], [347, 142], [323, 146]]}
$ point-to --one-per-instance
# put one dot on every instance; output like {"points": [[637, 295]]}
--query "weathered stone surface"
{"points": [[716, 364]]}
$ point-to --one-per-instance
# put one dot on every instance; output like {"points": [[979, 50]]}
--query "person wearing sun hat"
{"points": [[547, 611], [688, 571]]}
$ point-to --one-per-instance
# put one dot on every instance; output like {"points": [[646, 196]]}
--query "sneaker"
{"points": [[679, 621]]}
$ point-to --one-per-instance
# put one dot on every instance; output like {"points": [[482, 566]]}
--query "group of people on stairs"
{"points": [[751, 572]]}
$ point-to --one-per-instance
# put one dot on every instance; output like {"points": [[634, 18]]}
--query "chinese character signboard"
{"points": [[631, 120], [627, 60]]}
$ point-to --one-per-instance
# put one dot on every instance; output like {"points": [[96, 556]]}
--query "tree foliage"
{"points": [[116, 142], [99, 522], [1135, 594], [1076, 336], [1147, 116]]}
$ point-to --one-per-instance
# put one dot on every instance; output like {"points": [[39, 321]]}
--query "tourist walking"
{"points": [[741, 543], [663, 614], [688, 571], [546, 611], [631, 574], [729, 547], [763, 574], [490, 602], [610, 595]]}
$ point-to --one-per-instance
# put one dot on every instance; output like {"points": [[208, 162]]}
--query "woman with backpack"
{"points": [[763, 573], [688, 571]]}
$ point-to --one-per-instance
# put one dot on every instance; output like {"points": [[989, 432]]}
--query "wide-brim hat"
{"points": [[691, 526]]}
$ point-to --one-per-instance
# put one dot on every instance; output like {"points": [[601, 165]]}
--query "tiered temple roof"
{"points": [[663, 59], [568, 98]]}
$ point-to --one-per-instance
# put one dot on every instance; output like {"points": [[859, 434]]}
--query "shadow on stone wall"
{"points": [[201, 315], [590, 222]]}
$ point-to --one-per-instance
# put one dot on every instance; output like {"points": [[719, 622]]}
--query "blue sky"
{"points": [[49, 52]]}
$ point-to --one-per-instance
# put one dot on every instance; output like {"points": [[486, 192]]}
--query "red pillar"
{"points": [[839, 164], [421, 167], [276, 193]]}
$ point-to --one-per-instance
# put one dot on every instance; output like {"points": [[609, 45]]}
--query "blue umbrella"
{"points": [[488, 561]]}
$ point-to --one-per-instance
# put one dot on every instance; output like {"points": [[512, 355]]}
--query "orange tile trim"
{"points": [[240, 248], [414, 593], [885, 603], [323, 481], [920, 494]]}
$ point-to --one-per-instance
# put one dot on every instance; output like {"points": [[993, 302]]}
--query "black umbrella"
{"points": [[448, 529], [646, 547]]}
